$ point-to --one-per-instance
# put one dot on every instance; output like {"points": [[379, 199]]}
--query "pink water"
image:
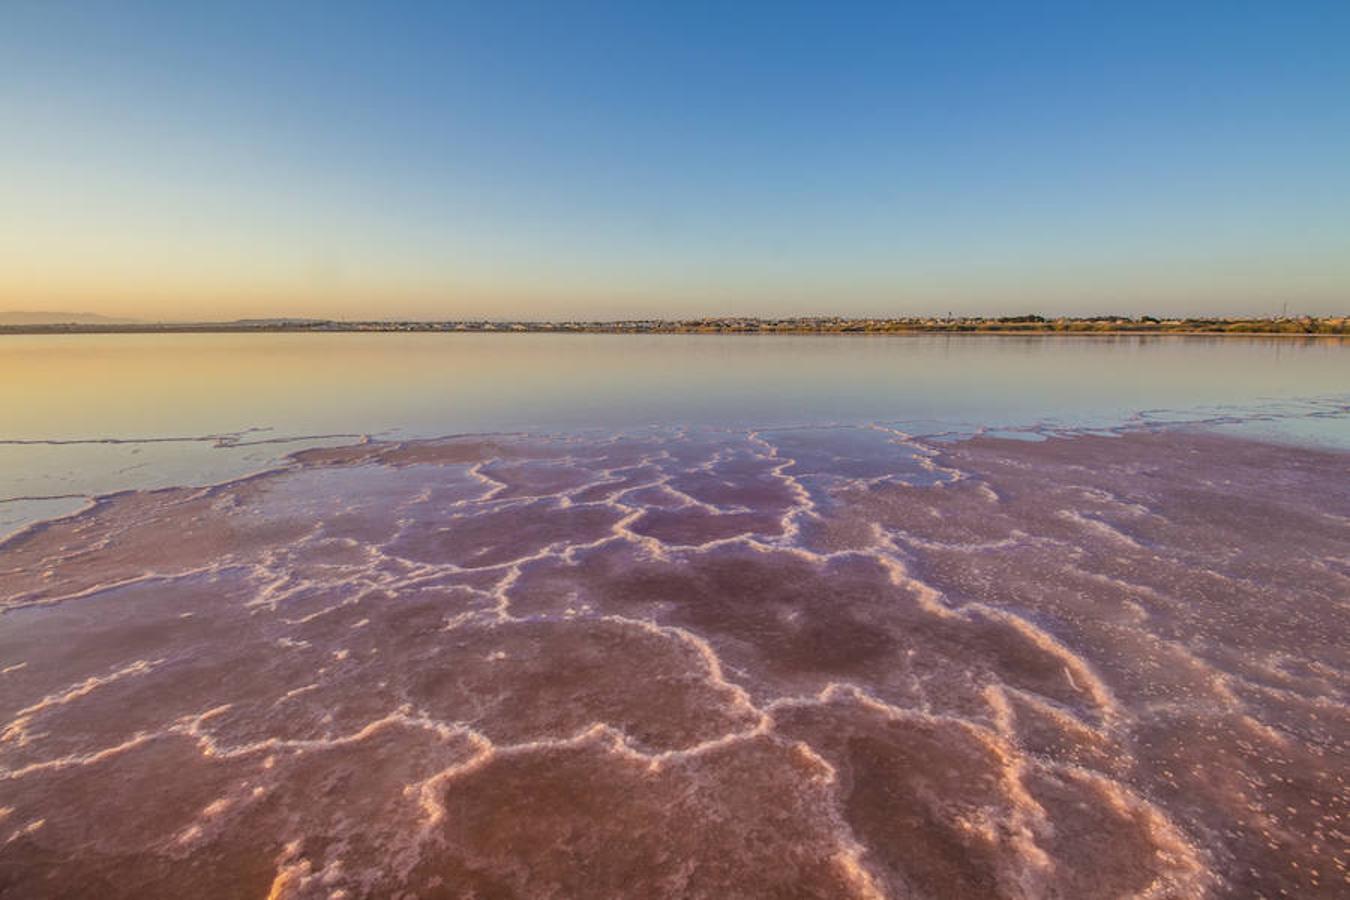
{"points": [[691, 662]]}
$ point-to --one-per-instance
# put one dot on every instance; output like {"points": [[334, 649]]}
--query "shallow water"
{"points": [[1096, 656], [82, 415]]}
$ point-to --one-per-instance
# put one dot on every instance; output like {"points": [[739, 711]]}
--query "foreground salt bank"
{"points": [[821, 662]]}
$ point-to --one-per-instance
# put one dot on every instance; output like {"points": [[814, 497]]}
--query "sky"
{"points": [[194, 161]]}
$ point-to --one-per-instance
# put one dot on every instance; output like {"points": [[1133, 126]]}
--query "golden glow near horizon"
{"points": [[200, 163], [221, 288], [85, 386], [121, 243]]}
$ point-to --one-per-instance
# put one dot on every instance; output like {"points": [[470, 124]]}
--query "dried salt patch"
{"points": [[1055, 587], [28, 829], [296, 692], [188, 835], [216, 807]]}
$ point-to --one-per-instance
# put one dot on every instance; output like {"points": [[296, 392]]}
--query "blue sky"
{"points": [[556, 160]]}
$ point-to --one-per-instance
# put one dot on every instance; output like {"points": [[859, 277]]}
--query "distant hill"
{"points": [[37, 317]]}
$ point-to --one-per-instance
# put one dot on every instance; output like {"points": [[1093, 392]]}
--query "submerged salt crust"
{"points": [[85, 415], [832, 662]]}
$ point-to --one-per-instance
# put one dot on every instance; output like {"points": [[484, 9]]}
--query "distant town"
{"points": [[1024, 324]]}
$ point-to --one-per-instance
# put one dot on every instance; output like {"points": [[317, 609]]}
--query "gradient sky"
{"points": [[557, 160]]}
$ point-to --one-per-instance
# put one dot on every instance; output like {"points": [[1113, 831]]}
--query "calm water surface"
{"points": [[737, 658], [88, 414]]}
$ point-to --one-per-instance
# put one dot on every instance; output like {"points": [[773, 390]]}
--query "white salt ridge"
{"points": [[685, 620]]}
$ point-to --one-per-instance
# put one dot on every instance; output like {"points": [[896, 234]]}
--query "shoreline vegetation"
{"points": [[1304, 326]]}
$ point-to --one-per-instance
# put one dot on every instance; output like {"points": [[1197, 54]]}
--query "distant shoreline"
{"points": [[1018, 325]]}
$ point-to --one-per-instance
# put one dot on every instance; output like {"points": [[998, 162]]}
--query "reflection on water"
{"points": [[258, 389], [152, 385], [740, 653]]}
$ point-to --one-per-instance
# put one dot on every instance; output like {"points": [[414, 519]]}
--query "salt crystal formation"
{"points": [[805, 663]]}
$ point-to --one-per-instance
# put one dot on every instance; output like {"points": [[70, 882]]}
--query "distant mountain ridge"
{"points": [[39, 317]]}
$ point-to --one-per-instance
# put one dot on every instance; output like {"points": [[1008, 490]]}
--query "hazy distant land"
{"points": [[78, 323], [26, 317]]}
